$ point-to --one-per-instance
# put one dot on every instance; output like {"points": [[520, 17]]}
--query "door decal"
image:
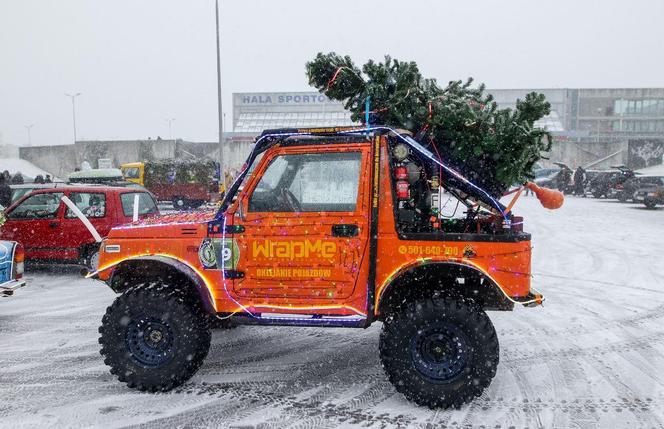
{"points": [[213, 250]]}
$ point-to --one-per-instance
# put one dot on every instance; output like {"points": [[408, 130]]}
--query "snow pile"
{"points": [[591, 357], [27, 169]]}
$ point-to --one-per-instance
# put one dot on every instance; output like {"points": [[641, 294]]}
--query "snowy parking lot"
{"points": [[592, 356]]}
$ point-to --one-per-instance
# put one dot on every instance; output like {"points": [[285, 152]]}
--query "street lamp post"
{"points": [[28, 127], [219, 112], [73, 110], [170, 121]]}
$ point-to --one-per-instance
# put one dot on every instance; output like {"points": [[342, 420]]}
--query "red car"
{"points": [[51, 231]]}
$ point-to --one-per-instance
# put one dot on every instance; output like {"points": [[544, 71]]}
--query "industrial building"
{"points": [[576, 112], [595, 127]]}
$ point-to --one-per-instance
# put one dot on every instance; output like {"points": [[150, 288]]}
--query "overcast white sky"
{"points": [[138, 62]]}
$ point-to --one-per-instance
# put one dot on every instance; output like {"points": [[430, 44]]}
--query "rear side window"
{"points": [[93, 205], [146, 204], [39, 206]]}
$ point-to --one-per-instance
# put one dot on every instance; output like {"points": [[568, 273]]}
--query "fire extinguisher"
{"points": [[403, 187]]}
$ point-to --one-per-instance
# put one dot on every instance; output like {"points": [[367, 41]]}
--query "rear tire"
{"points": [[650, 204], [439, 353], [154, 337]]}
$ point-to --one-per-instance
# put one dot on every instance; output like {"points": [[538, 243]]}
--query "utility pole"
{"points": [[27, 127], [170, 121], [73, 110], [219, 112]]}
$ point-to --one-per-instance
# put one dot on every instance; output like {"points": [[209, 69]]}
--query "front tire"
{"points": [[439, 353], [650, 204], [154, 337]]}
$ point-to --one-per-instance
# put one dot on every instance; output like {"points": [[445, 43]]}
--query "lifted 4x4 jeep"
{"points": [[325, 227]]}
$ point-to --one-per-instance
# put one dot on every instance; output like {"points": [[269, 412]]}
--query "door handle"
{"points": [[54, 224], [345, 230]]}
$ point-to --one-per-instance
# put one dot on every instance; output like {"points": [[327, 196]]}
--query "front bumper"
{"points": [[8, 288]]}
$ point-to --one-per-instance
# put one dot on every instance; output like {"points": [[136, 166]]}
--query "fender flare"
{"points": [[414, 265], [189, 272]]}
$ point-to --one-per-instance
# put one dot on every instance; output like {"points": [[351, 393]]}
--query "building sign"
{"points": [[280, 99]]}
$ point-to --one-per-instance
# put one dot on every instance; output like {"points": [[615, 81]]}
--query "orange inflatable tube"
{"points": [[549, 198]]}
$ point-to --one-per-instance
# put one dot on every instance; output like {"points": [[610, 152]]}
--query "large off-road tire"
{"points": [[439, 352], [154, 337], [650, 204]]}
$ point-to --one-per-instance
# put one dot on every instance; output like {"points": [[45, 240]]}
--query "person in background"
{"points": [[579, 180], [39, 179], [5, 192], [48, 179], [528, 191], [17, 179], [7, 176]]}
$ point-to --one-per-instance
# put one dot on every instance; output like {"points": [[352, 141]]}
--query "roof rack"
{"points": [[310, 131]]}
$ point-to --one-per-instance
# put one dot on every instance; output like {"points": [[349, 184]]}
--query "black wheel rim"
{"points": [[150, 341], [440, 353]]}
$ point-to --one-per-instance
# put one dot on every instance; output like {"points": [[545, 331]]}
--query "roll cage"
{"points": [[455, 182]]}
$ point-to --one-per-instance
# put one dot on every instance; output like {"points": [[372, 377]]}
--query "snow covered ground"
{"points": [[592, 357]]}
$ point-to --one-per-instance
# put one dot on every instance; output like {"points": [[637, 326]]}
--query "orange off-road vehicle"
{"points": [[325, 227]]}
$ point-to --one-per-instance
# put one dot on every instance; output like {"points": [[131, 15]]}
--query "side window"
{"points": [[146, 204], [93, 205], [131, 173], [39, 206], [17, 194], [309, 183]]}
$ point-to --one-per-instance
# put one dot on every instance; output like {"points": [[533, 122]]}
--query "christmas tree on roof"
{"points": [[496, 148]]}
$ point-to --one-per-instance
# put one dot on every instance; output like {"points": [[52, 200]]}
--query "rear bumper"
{"points": [[8, 288], [530, 300]]}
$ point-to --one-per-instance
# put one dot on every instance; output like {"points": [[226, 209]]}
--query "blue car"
{"points": [[11, 267]]}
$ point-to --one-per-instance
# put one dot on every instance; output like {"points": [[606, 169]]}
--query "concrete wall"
{"points": [[58, 160], [64, 159], [575, 153]]}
